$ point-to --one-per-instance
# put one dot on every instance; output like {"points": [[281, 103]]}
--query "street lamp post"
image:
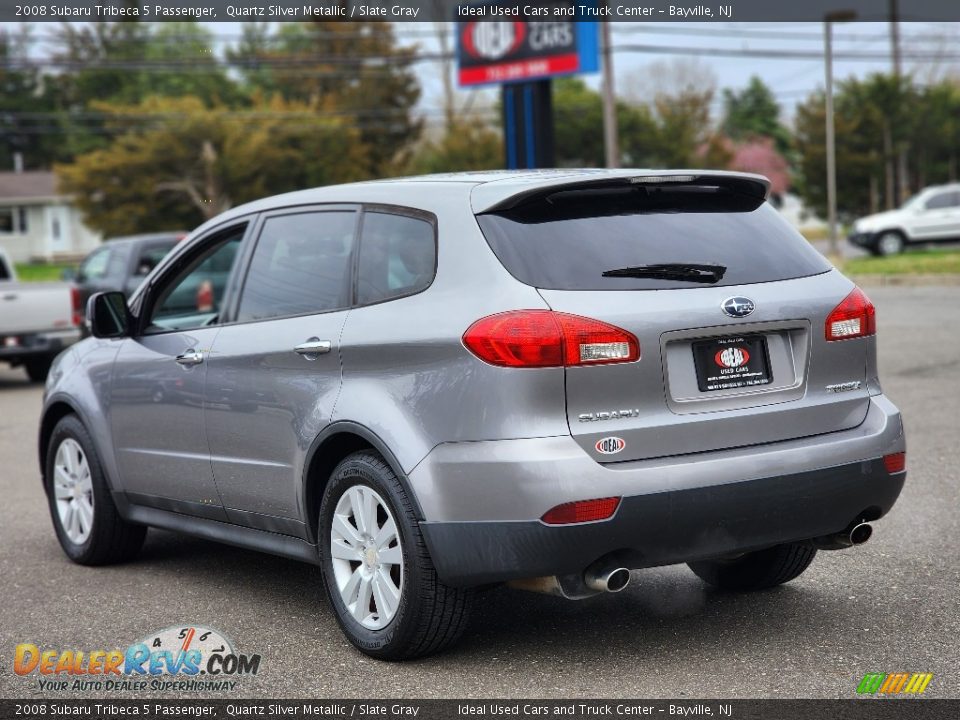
{"points": [[828, 20]]}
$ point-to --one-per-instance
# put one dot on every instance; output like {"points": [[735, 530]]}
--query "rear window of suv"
{"points": [[566, 240]]}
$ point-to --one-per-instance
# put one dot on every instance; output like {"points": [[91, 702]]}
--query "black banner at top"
{"points": [[35, 11]]}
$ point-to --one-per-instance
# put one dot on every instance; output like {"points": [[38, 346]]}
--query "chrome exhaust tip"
{"points": [[861, 533], [606, 578]]}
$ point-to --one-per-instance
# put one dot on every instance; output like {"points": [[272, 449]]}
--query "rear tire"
{"points": [[756, 570], [419, 614], [38, 368], [85, 518]]}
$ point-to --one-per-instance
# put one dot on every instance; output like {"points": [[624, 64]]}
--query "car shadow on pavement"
{"points": [[662, 611]]}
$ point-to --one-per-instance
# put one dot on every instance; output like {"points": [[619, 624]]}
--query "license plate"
{"points": [[732, 362]]}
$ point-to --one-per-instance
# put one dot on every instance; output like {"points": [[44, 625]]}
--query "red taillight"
{"points": [[76, 311], [854, 317], [895, 462], [543, 338], [581, 511]]}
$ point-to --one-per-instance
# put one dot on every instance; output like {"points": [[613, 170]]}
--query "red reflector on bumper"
{"points": [[581, 511], [895, 462]]}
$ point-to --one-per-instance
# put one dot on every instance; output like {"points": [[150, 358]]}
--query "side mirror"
{"points": [[108, 316], [68, 274]]}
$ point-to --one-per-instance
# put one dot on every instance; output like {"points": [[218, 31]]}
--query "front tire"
{"points": [[85, 518], [377, 572], [757, 570], [889, 242]]}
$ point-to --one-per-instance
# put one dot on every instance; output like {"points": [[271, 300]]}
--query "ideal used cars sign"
{"points": [[511, 42]]}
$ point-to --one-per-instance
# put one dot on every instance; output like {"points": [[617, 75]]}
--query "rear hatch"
{"points": [[727, 301]]}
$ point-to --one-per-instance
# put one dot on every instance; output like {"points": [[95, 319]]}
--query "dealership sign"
{"points": [[520, 46]]}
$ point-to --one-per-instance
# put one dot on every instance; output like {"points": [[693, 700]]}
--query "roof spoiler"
{"points": [[503, 195]]}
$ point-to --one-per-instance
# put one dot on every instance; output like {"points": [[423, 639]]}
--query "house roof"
{"points": [[32, 184]]}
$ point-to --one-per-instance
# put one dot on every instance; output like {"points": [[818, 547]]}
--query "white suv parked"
{"points": [[930, 216]]}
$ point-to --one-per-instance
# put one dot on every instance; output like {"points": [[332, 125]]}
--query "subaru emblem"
{"points": [[737, 306]]}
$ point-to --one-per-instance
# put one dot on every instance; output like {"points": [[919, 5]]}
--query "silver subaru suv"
{"points": [[429, 386]]}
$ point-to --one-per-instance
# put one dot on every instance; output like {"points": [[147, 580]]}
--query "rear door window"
{"points": [[398, 257], [567, 240], [943, 200], [301, 265]]}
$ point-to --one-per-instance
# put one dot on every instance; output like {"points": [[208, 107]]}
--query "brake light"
{"points": [[854, 317], [581, 511], [76, 311], [543, 338], [895, 462]]}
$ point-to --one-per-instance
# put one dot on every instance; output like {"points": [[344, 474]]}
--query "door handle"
{"points": [[190, 357], [313, 347]]}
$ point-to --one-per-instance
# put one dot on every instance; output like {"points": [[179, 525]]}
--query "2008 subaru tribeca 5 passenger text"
{"points": [[433, 384]]}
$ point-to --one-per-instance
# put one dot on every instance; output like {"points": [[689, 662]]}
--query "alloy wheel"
{"points": [[73, 490], [367, 557]]}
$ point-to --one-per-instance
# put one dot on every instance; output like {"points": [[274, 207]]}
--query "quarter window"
{"points": [[397, 257], [301, 265]]}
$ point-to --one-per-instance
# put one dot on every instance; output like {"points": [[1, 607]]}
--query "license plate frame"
{"points": [[732, 362]]}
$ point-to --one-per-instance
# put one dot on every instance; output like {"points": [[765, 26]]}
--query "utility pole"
{"points": [[828, 20], [831, 147], [895, 36], [903, 184], [610, 140]]}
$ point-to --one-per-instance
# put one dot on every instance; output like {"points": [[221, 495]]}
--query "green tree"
{"points": [[191, 161], [858, 153], [24, 110], [189, 48], [356, 67], [685, 131], [469, 144], [754, 112], [578, 128], [877, 119], [125, 62]]}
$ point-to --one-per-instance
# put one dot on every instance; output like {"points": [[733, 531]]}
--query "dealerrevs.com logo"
{"points": [[178, 658]]}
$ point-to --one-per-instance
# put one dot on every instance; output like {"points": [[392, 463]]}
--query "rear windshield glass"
{"points": [[568, 239]]}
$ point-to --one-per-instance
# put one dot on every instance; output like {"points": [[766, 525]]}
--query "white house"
{"points": [[39, 224]]}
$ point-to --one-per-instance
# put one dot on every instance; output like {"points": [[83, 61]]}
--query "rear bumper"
{"points": [[37, 344], [673, 510]]}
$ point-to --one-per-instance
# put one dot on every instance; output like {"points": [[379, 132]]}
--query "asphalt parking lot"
{"points": [[890, 605]]}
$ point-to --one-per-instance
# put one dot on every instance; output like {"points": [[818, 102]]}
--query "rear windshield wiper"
{"points": [[685, 272]]}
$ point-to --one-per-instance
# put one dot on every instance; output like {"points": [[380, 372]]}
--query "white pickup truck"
{"points": [[37, 321]]}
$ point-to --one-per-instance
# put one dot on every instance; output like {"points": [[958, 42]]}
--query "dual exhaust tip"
{"points": [[606, 578], [857, 534], [860, 533]]}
